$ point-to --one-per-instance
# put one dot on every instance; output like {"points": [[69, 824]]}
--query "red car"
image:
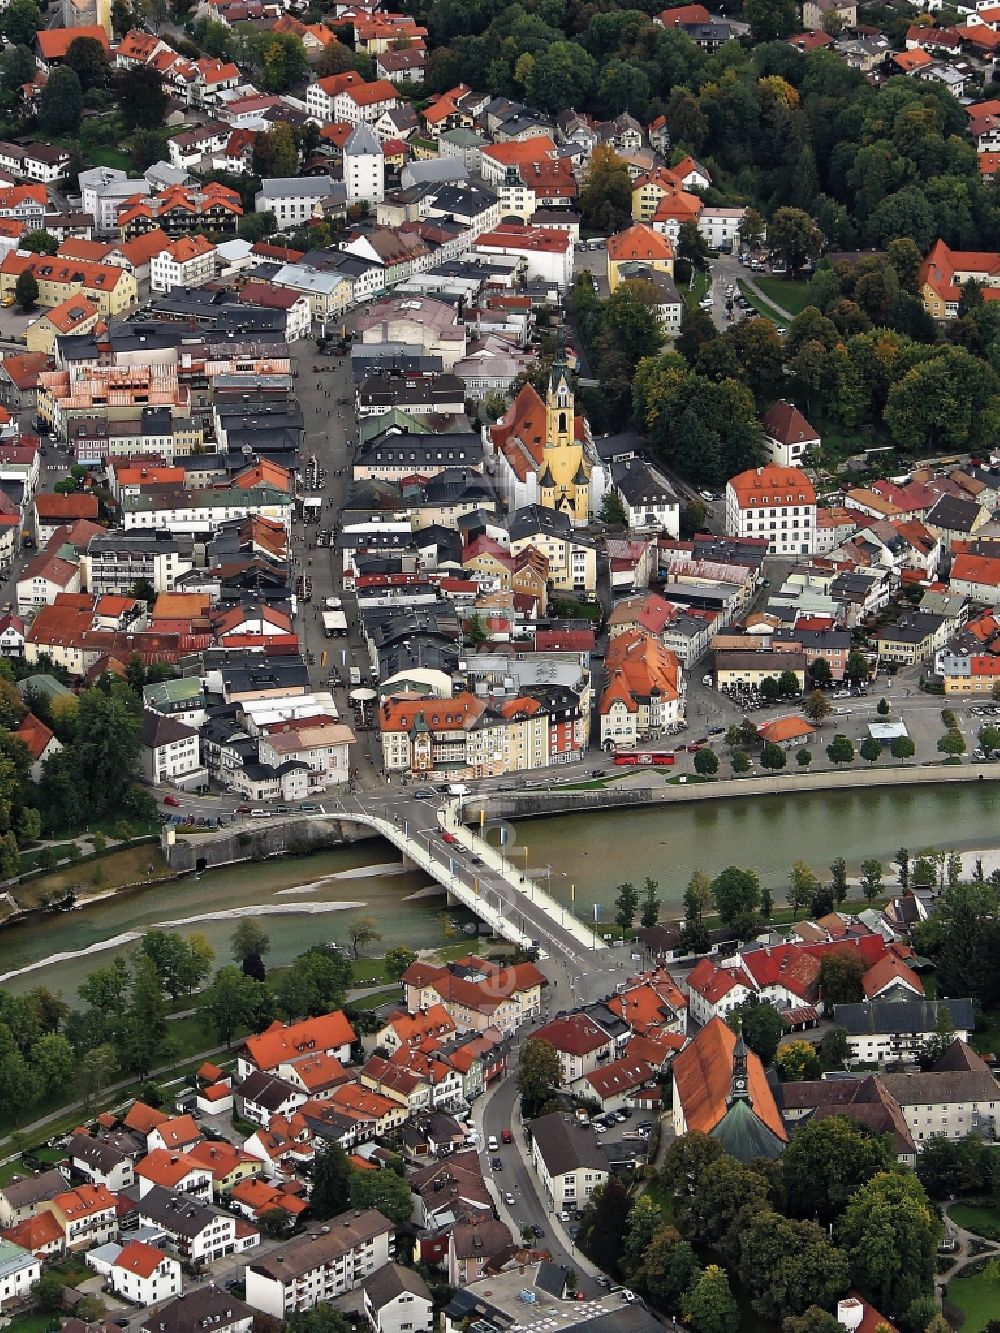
{"points": [[171, 800], [506, 1136], [449, 837], [243, 809]]}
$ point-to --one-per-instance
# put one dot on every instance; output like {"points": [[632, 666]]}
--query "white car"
{"points": [[508, 1199], [492, 1144], [565, 1217]]}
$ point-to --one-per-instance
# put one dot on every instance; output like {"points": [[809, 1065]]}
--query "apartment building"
{"points": [[320, 1266], [113, 290], [187, 262], [778, 503], [567, 1161], [115, 561]]}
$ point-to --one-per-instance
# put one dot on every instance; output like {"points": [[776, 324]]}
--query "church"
{"points": [[543, 452], [720, 1089]]}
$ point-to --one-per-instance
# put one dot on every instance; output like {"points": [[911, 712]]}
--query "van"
{"points": [[354, 675]]}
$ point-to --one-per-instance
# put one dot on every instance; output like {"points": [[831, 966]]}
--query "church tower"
{"points": [[559, 403], [739, 1088]]}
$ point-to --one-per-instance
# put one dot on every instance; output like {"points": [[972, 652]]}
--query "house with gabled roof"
{"points": [[331, 1034]]}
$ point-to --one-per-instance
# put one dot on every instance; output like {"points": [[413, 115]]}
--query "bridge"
{"points": [[473, 872]]}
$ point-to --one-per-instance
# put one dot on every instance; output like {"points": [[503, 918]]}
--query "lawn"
{"points": [[763, 308], [30, 1322], [697, 289], [791, 296], [983, 1221], [977, 1297]]}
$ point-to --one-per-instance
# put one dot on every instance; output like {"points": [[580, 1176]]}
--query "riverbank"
{"points": [[578, 858]]}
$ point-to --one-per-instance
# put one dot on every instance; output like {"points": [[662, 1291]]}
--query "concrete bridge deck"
{"points": [[473, 871]]}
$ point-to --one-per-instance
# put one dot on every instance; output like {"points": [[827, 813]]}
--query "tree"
{"points": [[838, 870], [840, 750], [840, 977], [275, 153], [142, 98], [602, 1231], [709, 1307], [666, 1270], [989, 736], [820, 673], [144, 1029], [644, 1221], [797, 1060], [26, 290], [890, 1232], [257, 226], [856, 670], [735, 891], [728, 1192], [383, 1190], [331, 1182], [870, 749], [106, 747], [788, 1265], [883, 707], [803, 757], [180, 967], [39, 242], [234, 1001], [902, 748], [817, 706], [962, 937], [96, 1068], [538, 1073], [397, 961], [871, 879], [835, 1049], [803, 883], [692, 246], [322, 1318], [740, 762], [315, 983], [54, 1062], [948, 1167], [813, 1320], [613, 511], [21, 21], [760, 1023], [248, 938], [649, 912], [770, 20], [788, 684], [793, 235], [47, 1293], [694, 517], [85, 56], [941, 1038], [626, 905], [61, 103], [606, 193], [363, 931], [706, 762], [772, 756], [952, 743]]}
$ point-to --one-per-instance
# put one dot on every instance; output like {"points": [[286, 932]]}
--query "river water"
{"points": [[307, 899]]}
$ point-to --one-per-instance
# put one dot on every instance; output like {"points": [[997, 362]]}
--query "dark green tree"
{"points": [[826, 1161], [735, 891], [61, 103], [26, 290], [538, 1074], [761, 1026], [890, 1233], [331, 1182], [142, 98]]}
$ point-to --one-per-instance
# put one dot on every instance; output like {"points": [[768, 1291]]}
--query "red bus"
{"points": [[644, 758]]}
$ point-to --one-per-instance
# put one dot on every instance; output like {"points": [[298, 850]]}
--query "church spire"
{"points": [[739, 1088]]}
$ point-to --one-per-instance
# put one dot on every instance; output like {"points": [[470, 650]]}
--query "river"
{"points": [[594, 852]]}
